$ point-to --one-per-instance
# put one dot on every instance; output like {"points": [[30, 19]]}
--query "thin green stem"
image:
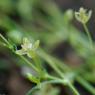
{"points": [[29, 63], [79, 79], [51, 63], [54, 80], [89, 36], [63, 82], [52, 77], [48, 59], [37, 61], [43, 83], [3, 38], [86, 85], [73, 89], [62, 66]]}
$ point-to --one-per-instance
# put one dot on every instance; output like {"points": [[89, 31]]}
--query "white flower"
{"points": [[28, 48], [83, 16], [27, 45]]}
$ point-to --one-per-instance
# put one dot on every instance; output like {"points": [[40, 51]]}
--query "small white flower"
{"points": [[27, 45], [28, 48], [83, 16]]}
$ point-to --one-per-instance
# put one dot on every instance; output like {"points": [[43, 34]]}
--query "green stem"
{"points": [[73, 89], [37, 61], [43, 83], [52, 77], [54, 80], [89, 36], [29, 63], [3, 38], [62, 66], [86, 85], [79, 79], [48, 59], [51, 63], [63, 82]]}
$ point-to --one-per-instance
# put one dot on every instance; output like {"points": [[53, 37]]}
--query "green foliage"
{"points": [[43, 20]]}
